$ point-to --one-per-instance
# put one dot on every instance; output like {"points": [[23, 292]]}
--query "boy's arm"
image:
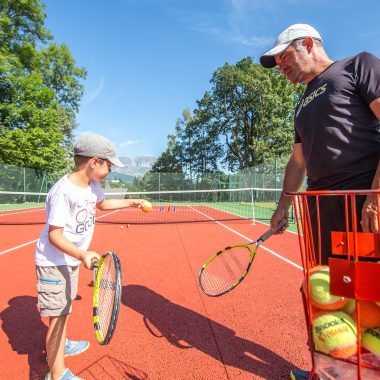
{"points": [[112, 204], [59, 241]]}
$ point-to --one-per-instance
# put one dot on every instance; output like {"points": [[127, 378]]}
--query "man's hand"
{"points": [[370, 213], [278, 216]]}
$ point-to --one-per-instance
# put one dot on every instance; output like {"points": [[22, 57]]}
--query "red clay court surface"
{"points": [[167, 328]]}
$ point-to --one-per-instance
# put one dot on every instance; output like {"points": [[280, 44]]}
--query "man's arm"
{"points": [[370, 210], [294, 176], [375, 107]]}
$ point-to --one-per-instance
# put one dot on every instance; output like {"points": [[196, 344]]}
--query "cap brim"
{"points": [[115, 161], [267, 60]]}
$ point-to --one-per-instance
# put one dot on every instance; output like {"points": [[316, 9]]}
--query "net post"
{"points": [[253, 207]]}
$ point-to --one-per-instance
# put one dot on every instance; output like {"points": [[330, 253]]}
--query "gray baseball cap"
{"points": [[92, 145], [285, 38]]}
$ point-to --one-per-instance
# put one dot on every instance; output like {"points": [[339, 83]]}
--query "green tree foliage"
{"points": [[194, 149], [40, 90], [252, 108], [245, 119]]}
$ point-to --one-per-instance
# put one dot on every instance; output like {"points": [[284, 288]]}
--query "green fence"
{"points": [[18, 179], [266, 176]]}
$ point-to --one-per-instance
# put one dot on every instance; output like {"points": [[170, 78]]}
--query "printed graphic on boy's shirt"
{"points": [[85, 217]]}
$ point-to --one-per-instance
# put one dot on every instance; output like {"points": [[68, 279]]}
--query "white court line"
{"points": [[20, 212], [34, 241], [248, 239], [19, 246]]}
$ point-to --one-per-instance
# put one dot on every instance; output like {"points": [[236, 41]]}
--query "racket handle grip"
{"points": [[94, 263], [270, 232]]}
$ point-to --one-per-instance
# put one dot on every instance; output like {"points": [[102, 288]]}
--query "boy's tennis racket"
{"points": [[107, 295], [227, 268]]}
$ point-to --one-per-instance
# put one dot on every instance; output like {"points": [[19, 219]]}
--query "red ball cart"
{"points": [[354, 268]]}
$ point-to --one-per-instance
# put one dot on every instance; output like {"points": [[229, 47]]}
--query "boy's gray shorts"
{"points": [[57, 287]]}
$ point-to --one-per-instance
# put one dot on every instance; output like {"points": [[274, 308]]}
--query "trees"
{"points": [[252, 108], [244, 119], [40, 89], [194, 149]]}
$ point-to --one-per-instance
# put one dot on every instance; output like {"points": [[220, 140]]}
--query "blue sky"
{"points": [[147, 60]]}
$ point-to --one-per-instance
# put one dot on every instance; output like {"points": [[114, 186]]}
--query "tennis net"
{"points": [[168, 206]]}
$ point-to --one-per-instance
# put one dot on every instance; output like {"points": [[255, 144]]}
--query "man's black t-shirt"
{"points": [[339, 133]]}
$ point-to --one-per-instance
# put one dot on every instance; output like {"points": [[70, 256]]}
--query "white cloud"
{"points": [[234, 25], [129, 142], [88, 99]]}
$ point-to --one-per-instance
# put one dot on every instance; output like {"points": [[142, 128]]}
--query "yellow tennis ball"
{"points": [[371, 340], [147, 206], [320, 294], [335, 334], [350, 306]]}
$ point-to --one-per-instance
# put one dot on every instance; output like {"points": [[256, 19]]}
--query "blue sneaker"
{"points": [[65, 375], [73, 347], [298, 374]]}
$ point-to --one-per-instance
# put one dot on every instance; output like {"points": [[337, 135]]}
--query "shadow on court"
{"points": [[107, 368], [187, 329], [26, 333]]}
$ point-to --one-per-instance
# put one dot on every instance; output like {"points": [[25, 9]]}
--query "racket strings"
{"points": [[107, 287], [226, 270]]}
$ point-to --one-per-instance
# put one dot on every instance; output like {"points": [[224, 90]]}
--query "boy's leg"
{"points": [[54, 300], [73, 347], [55, 345]]}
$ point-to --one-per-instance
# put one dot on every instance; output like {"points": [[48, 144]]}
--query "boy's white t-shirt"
{"points": [[73, 208]]}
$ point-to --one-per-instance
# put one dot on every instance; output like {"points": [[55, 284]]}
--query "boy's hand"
{"points": [[88, 257], [141, 203]]}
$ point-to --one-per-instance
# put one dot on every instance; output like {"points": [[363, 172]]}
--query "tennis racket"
{"points": [[107, 295], [228, 268]]}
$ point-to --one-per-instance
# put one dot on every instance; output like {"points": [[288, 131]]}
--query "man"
{"points": [[337, 129]]}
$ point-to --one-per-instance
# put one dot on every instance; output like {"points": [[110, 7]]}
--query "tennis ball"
{"points": [[369, 314], [147, 206], [350, 306], [335, 334], [320, 294], [121, 227], [371, 340]]}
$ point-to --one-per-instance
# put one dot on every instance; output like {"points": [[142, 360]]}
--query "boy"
{"points": [[63, 243]]}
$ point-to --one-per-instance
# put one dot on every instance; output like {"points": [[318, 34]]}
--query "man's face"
{"points": [[293, 64]]}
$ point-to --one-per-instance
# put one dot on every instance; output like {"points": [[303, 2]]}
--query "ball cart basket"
{"points": [[354, 276]]}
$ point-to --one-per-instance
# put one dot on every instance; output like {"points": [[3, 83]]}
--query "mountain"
{"points": [[135, 166]]}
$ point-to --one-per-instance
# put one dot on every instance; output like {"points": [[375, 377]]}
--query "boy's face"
{"points": [[100, 169]]}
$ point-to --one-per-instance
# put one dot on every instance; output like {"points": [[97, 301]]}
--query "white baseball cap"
{"points": [[284, 39], [92, 145]]}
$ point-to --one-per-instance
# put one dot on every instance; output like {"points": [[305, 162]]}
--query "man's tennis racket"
{"points": [[227, 268], [107, 295]]}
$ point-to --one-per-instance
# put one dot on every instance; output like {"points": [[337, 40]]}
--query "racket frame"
{"points": [[102, 338], [252, 253], [244, 274]]}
